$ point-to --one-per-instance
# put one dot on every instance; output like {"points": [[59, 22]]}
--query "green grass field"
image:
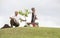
{"points": [[29, 32]]}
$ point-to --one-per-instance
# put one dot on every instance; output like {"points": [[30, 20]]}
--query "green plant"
{"points": [[25, 14]]}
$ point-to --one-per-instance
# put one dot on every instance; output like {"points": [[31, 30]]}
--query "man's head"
{"points": [[16, 13], [33, 10]]}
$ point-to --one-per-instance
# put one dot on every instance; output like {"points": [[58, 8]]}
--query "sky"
{"points": [[48, 11]]}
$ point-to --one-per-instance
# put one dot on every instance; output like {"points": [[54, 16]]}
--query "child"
{"points": [[33, 17]]}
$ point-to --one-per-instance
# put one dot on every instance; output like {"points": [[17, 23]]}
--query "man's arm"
{"points": [[22, 19]]}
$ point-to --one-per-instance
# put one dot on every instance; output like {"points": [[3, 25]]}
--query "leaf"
{"points": [[21, 13], [24, 14]]}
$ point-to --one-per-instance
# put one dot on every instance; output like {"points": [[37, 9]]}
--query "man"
{"points": [[33, 17], [15, 20]]}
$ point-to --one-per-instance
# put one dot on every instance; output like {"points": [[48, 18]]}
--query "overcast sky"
{"points": [[48, 11]]}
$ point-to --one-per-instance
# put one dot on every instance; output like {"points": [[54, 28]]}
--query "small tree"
{"points": [[25, 14]]}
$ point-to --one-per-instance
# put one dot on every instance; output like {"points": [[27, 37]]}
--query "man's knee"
{"points": [[12, 22]]}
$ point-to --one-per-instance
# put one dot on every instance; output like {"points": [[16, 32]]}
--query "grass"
{"points": [[29, 32]]}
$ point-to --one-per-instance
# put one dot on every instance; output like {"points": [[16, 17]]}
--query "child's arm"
{"points": [[35, 17]]}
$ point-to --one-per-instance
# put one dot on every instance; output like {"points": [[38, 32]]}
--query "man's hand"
{"points": [[11, 18]]}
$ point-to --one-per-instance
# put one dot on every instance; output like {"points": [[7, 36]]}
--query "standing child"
{"points": [[33, 17]]}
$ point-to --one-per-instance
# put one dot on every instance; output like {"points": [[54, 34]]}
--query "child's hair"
{"points": [[32, 8]]}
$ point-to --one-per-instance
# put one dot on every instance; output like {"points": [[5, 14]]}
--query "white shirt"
{"points": [[17, 18]]}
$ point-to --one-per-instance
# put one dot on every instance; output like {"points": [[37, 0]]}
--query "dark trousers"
{"points": [[33, 20], [13, 23]]}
